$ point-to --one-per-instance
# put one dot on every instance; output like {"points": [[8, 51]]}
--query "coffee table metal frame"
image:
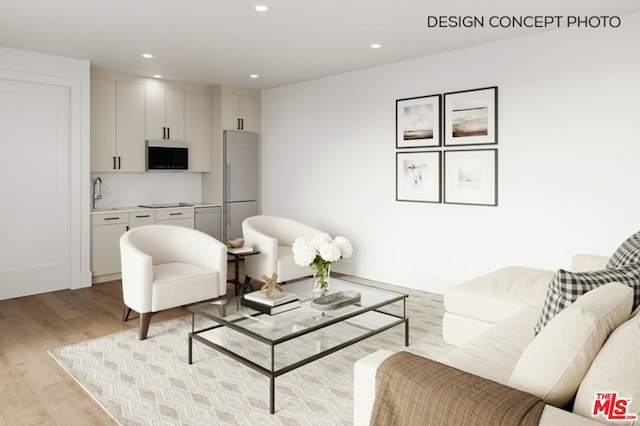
{"points": [[272, 372]]}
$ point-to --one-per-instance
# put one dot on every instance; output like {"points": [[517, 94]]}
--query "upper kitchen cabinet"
{"points": [[197, 130], [239, 112], [103, 124], [117, 126], [130, 127], [165, 113]]}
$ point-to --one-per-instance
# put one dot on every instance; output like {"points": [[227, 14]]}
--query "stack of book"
{"points": [[278, 302]]}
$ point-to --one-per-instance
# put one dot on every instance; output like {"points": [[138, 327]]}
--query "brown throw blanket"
{"points": [[412, 390]]}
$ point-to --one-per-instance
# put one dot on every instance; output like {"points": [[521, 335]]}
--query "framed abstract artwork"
{"points": [[418, 176], [418, 122], [471, 177], [471, 117]]}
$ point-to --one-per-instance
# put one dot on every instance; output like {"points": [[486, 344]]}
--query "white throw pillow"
{"points": [[615, 369], [557, 359]]}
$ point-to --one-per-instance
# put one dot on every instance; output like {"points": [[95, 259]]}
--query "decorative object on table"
{"points": [[471, 177], [319, 253], [418, 176], [471, 117], [337, 300], [270, 310], [271, 284], [277, 298], [271, 299], [418, 122], [236, 242]]}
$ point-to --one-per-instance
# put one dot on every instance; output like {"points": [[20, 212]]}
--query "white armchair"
{"points": [[273, 237], [165, 266]]}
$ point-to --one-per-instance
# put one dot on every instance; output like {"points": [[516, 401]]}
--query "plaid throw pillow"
{"points": [[565, 288], [627, 253]]}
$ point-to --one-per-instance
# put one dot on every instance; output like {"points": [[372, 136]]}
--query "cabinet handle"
{"points": [[168, 132], [175, 214], [238, 124], [118, 162], [127, 228], [143, 215], [114, 162], [164, 133], [112, 218]]}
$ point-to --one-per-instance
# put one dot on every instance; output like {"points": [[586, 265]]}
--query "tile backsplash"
{"points": [[131, 189]]}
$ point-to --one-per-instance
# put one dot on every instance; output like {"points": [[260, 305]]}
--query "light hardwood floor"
{"points": [[33, 388]]}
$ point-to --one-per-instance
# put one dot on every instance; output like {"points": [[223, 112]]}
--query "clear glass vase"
{"points": [[321, 279]]}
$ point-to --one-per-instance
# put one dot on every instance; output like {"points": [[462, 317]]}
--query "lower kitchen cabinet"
{"points": [[177, 217], [140, 219], [106, 230]]}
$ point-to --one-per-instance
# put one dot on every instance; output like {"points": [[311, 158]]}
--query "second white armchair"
{"points": [[273, 236]]}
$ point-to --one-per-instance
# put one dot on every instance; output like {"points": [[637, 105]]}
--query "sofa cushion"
{"points": [[627, 253], [494, 354], [499, 294], [566, 287], [555, 362], [614, 370]]}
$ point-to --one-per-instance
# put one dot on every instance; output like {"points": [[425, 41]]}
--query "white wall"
{"points": [[569, 144], [73, 74]]}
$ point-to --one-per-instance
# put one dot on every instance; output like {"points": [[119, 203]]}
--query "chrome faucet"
{"points": [[97, 191]]}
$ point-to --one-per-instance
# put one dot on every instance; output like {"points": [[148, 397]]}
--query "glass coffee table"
{"points": [[297, 337]]}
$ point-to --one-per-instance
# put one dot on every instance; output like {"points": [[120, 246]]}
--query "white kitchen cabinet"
{"points": [[108, 227], [239, 112], [164, 113], [117, 126], [103, 124], [106, 230], [197, 130], [130, 115], [177, 217], [141, 218]]}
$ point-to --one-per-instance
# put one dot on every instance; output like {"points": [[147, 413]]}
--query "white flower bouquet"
{"points": [[319, 253]]}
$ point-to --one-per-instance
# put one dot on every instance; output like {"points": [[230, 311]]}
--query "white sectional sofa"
{"points": [[492, 319]]}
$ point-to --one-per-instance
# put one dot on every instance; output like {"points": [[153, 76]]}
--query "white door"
{"points": [[34, 183]]}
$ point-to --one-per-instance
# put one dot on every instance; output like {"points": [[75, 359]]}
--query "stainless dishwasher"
{"points": [[209, 221]]}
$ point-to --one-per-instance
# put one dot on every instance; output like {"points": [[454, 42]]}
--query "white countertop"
{"points": [[137, 208]]}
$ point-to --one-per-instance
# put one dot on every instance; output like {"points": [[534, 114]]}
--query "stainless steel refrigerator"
{"points": [[240, 180]]}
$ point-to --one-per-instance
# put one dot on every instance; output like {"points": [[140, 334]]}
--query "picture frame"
{"points": [[418, 122], [471, 177], [471, 117], [418, 176]]}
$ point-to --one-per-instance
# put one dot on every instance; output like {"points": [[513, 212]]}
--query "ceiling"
{"points": [[224, 41]]}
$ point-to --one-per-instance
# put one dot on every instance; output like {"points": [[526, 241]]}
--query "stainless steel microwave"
{"points": [[163, 155]]}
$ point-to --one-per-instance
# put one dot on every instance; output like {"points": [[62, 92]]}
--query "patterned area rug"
{"points": [[150, 382]]}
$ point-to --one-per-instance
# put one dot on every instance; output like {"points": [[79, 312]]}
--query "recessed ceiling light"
{"points": [[260, 7], [376, 46], [147, 55], [254, 76], [157, 76]]}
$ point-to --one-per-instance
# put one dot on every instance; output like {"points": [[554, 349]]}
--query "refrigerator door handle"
{"points": [[227, 183]]}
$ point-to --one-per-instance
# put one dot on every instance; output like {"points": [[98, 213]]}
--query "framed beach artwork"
{"points": [[471, 177], [418, 122], [471, 117], [418, 176]]}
